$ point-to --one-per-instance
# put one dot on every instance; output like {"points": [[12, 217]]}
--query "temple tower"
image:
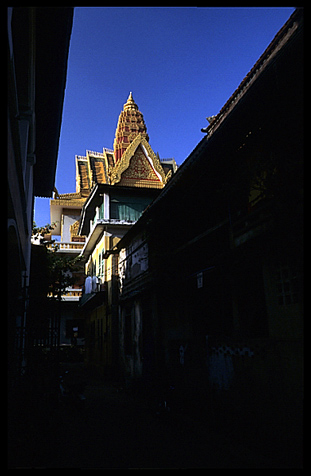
{"points": [[130, 124], [131, 163]]}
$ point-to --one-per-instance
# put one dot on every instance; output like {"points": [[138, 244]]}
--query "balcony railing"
{"points": [[71, 294], [110, 221], [67, 246]]}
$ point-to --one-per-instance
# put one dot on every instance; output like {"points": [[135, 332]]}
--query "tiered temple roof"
{"points": [[131, 163]]}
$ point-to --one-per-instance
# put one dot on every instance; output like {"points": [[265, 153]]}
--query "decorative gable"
{"points": [[139, 167]]}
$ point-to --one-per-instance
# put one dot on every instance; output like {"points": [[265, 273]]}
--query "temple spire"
{"points": [[130, 124]]}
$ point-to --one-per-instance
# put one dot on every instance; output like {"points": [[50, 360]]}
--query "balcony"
{"points": [[95, 292], [71, 294], [100, 218], [73, 247], [97, 226], [111, 221]]}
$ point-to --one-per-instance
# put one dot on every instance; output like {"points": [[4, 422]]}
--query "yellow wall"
{"points": [[98, 354], [106, 243]]}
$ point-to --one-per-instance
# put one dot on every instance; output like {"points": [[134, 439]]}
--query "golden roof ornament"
{"points": [[130, 103]]}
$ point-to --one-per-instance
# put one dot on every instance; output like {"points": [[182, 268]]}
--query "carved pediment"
{"points": [[139, 163], [139, 167]]}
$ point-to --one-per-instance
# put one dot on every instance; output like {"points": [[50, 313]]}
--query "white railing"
{"points": [[66, 245], [110, 221], [70, 293]]}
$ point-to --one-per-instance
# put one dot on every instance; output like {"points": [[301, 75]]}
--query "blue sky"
{"points": [[181, 63]]}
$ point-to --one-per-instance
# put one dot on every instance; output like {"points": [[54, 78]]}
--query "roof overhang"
{"points": [[93, 238], [88, 209], [284, 36], [111, 226], [53, 31]]}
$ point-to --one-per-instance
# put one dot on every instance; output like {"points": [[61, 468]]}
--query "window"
{"points": [[128, 208], [287, 285], [101, 212], [101, 262]]}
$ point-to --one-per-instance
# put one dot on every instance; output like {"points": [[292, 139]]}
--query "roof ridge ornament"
{"points": [[130, 103]]}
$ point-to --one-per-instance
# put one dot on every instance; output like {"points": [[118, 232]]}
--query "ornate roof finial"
{"points": [[130, 103]]}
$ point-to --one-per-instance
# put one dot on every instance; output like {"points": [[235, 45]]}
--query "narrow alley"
{"points": [[155, 303], [116, 429], [119, 429]]}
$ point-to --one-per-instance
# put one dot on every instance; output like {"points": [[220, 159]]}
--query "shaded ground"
{"points": [[118, 429]]}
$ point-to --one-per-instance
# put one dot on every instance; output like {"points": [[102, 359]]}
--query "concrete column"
{"points": [[106, 206]]}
